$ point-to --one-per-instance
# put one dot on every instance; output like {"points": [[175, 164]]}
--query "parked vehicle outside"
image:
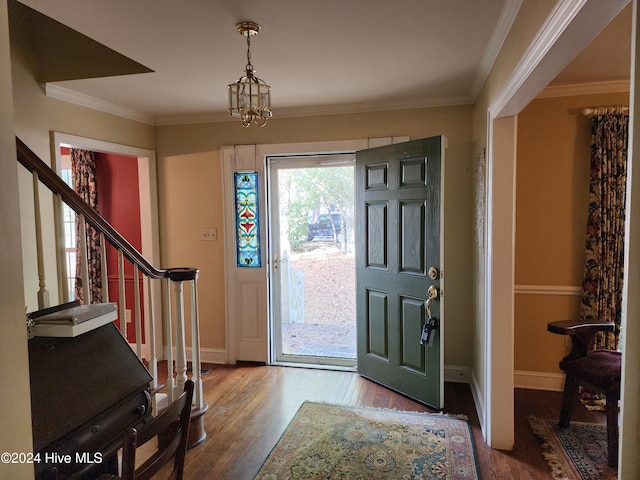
{"points": [[327, 226]]}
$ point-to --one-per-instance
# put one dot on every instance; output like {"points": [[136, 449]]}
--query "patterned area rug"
{"points": [[578, 452], [331, 442]]}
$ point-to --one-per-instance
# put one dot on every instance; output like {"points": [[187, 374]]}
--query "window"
{"points": [[69, 228]]}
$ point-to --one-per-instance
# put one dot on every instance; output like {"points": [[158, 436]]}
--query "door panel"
{"points": [[376, 175], [411, 321], [398, 240], [376, 246], [377, 324], [412, 215]]}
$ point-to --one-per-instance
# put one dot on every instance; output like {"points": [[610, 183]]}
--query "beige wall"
{"points": [[31, 116], [36, 117], [552, 193], [15, 415], [530, 18], [190, 174]]}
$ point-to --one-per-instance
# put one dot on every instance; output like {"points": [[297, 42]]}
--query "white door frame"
{"points": [[149, 224], [630, 395], [247, 288], [568, 30]]}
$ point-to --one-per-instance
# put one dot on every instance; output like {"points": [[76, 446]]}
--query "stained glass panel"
{"points": [[247, 225]]}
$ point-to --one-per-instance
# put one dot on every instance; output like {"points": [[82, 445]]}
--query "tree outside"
{"points": [[308, 193]]}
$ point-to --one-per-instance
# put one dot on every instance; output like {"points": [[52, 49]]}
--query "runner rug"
{"points": [[578, 452], [331, 442]]}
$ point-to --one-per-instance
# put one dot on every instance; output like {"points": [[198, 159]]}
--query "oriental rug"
{"points": [[578, 452], [332, 442]]}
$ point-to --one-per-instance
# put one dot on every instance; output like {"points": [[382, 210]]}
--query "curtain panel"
{"points": [[603, 270], [83, 169]]}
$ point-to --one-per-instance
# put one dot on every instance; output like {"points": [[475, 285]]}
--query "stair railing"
{"points": [[171, 277]]}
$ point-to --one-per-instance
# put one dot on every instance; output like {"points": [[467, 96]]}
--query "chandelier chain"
{"points": [[249, 65]]}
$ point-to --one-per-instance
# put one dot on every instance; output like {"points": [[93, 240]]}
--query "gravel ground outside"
{"points": [[329, 327]]}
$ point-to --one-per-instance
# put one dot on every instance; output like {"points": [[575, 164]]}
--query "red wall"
{"points": [[119, 204]]}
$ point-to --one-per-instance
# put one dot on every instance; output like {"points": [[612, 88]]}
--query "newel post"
{"points": [[179, 276]]}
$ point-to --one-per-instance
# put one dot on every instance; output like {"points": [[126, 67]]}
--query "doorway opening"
{"points": [[144, 194], [312, 282]]}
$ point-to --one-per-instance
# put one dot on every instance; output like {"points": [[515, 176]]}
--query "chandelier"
{"points": [[250, 97]]}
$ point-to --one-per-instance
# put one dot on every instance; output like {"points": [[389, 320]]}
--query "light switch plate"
{"points": [[209, 235]]}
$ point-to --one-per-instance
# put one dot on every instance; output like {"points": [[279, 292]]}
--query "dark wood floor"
{"points": [[250, 407]]}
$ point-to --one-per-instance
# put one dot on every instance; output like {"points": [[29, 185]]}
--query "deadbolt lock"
{"points": [[433, 273]]}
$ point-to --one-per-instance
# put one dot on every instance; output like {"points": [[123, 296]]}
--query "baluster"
{"points": [[43, 294], [195, 346], [151, 337], [103, 269], [169, 329], [61, 257], [84, 260], [137, 311], [122, 299], [181, 355]]}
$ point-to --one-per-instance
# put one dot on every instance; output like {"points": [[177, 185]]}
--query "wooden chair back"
{"points": [[171, 427]]}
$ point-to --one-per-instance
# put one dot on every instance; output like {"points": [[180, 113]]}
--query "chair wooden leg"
{"points": [[568, 401], [612, 429]]}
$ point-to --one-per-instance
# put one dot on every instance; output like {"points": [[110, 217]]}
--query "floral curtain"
{"points": [[603, 271], [83, 169]]}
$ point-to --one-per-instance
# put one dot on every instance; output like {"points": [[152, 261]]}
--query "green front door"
{"points": [[398, 260]]}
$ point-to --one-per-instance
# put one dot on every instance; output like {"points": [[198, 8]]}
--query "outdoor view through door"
{"points": [[313, 276]]}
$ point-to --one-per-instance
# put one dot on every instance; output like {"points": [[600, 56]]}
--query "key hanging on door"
{"points": [[427, 332], [432, 323]]}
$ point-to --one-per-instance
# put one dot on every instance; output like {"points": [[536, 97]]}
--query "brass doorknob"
{"points": [[432, 293]]}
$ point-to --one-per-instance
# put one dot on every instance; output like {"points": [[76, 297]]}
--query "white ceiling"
{"points": [[606, 59], [319, 56]]}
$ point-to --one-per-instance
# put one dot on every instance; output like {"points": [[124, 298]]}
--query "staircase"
{"points": [[165, 284]]}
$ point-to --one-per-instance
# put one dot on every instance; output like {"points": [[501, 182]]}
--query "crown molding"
{"points": [[555, 45], [500, 33], [320, 110], [590, 88], [518, 92], [66, 95]]}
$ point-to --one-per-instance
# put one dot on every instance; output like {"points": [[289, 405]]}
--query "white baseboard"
{"points": [[212, 355], [452, 373], [476, 391], [538, 380], [457, 374], [207, 355], [522, 379]]}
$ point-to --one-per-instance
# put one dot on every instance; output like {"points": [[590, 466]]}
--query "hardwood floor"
{"points": [[250, 407]]}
